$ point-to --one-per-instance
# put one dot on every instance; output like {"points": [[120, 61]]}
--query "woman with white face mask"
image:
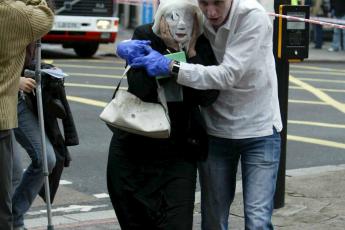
{"points": [[151, 182]]}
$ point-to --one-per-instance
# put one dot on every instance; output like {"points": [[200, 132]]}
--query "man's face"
{"points": [[180, 21], [216, 11]]}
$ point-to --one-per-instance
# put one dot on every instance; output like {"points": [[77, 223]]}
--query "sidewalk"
{"points": [[323, 55], [314, 200]]}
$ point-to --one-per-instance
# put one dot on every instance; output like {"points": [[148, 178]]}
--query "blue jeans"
{"points": [[259, 162], [336, 42], [29, 137]]}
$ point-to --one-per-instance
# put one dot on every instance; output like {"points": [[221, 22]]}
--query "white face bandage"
{"points": [[180, 21]]}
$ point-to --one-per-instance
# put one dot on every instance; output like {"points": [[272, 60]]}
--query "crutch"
{"points": [[43, 134]]}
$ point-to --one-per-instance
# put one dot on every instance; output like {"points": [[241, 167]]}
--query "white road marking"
{"points": [[320, 124], [318, 93], [318, 68], [91, 67], [90, 86], [87, 101], [322, 80], [322, 89], [307, 102], [64, 182], [91, 75], [70, 208], [316, 141], [101, 195], [328, 73]]}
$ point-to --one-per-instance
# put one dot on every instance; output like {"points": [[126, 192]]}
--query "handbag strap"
{"points": [[123, 75], [161, 97], [160, 90]]}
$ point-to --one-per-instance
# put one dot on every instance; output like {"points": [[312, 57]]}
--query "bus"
{"points": [[83, 25]]}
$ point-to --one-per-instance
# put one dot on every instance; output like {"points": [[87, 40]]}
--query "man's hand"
{"points": [[27, 84], [194, 38], [130, 49], [155, 63], [166, 36]]}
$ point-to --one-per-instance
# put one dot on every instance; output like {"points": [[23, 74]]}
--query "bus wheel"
{"points": [[85, 50]]}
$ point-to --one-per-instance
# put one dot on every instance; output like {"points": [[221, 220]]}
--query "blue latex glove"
{"points": [[130, 49], [155, 63]]}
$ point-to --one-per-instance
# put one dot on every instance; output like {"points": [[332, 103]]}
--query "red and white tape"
{"points": [[313, 20]]}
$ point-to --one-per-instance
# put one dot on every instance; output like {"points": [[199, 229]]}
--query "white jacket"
{"points": [[248, 102]]}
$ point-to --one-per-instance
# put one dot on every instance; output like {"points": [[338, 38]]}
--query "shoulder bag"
{"points": [[129, 113]]}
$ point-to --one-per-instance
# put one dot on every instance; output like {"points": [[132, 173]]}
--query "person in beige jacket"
{"points": [[21, 22]]}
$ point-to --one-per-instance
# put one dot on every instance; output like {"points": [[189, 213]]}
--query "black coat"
{"points": [[55, 106], [154, 179], [188, 132]]}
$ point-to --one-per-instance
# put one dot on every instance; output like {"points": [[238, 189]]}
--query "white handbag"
{"points": [[129, 113]]}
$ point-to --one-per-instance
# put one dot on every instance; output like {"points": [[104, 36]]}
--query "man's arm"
{"points": [[241, 52], [37, 18]]}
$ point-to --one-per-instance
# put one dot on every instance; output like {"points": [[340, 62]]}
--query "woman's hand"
{"points": [[195, 35], [166, 36], [27, 84]]}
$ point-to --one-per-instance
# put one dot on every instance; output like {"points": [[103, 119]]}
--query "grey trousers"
{"points": [[6, 154]]}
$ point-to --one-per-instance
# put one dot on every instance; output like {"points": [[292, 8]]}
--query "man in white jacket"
{"points": [[244, 123]]}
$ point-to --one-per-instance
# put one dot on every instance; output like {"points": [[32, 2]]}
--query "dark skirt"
{"points": [[150, 192]]}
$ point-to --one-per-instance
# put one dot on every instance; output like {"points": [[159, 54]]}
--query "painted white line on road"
{"points": [[307, 102], [322, 89], [320, 124], [87, 101], [91, 67], [332, 90], [70, 208], [317, 68], [101, 195], [90, 86], [72, 221], [65, 182], [113, 76], [61, 61], [318, 93], [316, 141], [321, 80], [331, 73], [48, 61]]}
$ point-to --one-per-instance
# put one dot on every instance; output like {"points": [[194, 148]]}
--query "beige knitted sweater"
{"points": [[21, 22]]}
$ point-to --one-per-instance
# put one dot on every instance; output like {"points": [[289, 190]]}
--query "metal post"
{"points": [[282, 68], [43, 139]]}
